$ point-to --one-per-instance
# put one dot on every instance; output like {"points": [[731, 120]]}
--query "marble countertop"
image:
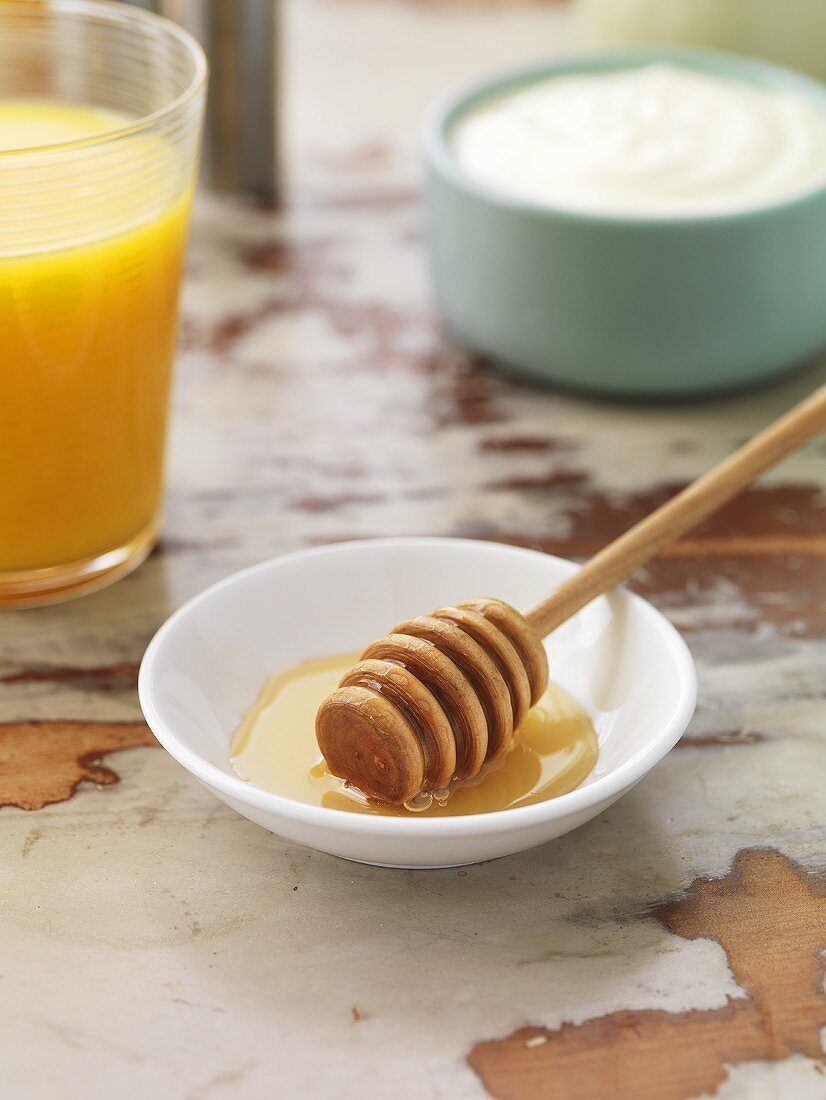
{"points": [[156, 944]]}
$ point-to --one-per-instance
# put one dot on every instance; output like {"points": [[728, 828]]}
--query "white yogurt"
{"points": [[656, 140]]}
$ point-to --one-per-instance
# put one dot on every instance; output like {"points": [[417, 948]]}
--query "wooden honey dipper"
{"points": [[442, 694]]}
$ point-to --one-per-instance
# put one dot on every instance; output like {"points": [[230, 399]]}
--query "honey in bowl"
{"points": [[275, 748]]}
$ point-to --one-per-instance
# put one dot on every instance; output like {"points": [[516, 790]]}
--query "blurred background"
{"points": [[318, 396], [285, 69]]}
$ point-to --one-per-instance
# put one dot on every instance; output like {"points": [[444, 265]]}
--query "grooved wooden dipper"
{"points": [[442, 694]]}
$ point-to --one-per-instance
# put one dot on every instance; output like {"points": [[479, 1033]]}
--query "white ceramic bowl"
{"points": [[619, 657]]}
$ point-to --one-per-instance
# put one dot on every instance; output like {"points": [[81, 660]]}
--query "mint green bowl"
{"points": [[648, 307]]}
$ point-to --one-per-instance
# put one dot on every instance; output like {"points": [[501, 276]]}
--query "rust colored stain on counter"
{"points": [[779, 578], [769, 917], [45, 762], [98, 678], [723, 737], [775, 512]]}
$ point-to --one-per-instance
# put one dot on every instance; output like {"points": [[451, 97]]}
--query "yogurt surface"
{"points": [[655, 140]]}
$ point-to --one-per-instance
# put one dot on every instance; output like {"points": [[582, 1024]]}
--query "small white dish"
{"points": [[620, 658]]}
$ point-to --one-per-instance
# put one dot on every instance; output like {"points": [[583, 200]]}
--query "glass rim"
{"points": [[114, 12]]}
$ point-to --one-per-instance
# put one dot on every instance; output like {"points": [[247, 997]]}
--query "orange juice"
{"points": [[89, 277]]}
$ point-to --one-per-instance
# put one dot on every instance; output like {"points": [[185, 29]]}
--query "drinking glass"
{"points": [[100, 125]]}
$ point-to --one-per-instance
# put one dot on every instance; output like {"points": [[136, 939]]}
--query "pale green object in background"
{"points": [[787, 32], [633, 306]]}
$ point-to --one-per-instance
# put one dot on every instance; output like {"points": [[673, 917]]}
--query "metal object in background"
{"points": [[242, 121]]}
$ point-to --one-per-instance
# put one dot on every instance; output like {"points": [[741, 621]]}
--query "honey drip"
{"points": [[275, 748]]}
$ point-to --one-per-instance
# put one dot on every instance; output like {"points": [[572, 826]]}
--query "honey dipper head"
{"points": [[435, 700]]}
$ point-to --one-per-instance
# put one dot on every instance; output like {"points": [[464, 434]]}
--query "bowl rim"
{"points": [[603, 789], [443, 113]]}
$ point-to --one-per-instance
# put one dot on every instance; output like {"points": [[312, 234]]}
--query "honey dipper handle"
{"points": [[680, 514]]}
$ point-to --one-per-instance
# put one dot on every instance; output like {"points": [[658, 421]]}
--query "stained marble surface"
{"points": [[155, 944]]}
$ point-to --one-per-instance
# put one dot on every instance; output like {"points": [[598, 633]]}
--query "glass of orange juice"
{"points": [[100, 125]]}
